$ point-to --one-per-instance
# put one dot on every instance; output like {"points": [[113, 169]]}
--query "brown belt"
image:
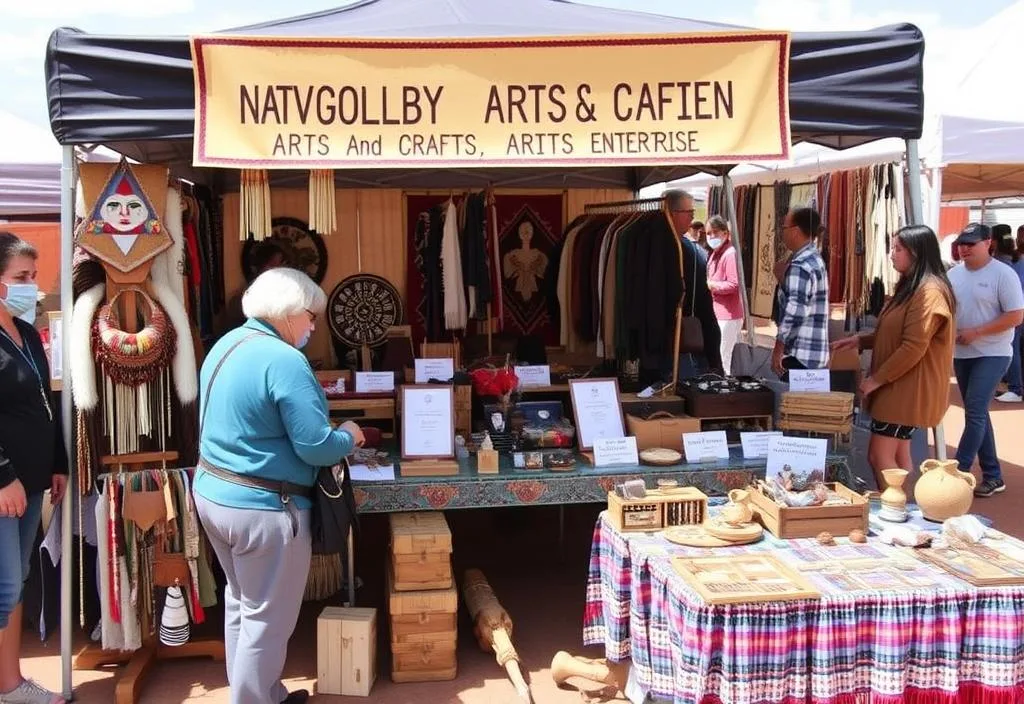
{"points": [[283, 489]]}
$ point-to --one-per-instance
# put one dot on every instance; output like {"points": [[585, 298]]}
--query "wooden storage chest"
{"points": [[424, 634], [421, 549]]}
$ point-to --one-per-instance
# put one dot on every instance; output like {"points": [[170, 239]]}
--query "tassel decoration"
{"points": [[323, 217], [254, 204]]}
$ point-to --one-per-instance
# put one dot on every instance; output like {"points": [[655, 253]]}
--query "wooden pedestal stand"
{"points": [[128, 688]]}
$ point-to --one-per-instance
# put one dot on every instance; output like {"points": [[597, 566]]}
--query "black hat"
{"points": [[974, 232]]}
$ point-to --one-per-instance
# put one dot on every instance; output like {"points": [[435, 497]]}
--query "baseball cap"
{"points": [[974, 232]]}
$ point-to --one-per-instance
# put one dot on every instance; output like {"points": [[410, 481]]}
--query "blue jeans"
{"points": [[17, 536], [977, 379], [1014, 375]]}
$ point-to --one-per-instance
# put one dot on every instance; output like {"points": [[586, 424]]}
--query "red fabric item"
{"points": [[195, 272]]}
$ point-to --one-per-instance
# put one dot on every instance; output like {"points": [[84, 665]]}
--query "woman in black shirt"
{"points": [[32, 455]]}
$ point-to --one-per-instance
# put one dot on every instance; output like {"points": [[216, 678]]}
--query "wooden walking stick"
{"points": [[493, 627]]}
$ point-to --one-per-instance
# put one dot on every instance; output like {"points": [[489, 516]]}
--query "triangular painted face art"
{"points": [[123, 226]]}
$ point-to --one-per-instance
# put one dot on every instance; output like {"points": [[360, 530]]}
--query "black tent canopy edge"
{"points": [[136, 95]]}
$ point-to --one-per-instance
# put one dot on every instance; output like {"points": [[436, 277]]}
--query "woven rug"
{"points": [[529, 227]]}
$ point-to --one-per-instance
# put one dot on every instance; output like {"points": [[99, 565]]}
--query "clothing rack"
{"points": [[650, 205]]}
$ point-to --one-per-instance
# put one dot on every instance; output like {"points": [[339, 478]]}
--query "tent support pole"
{"points": [[67, 243], [730, 204], [914, 182]]}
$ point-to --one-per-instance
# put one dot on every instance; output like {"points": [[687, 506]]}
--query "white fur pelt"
{"points": [[171, 262], [167, 287], [82, 363]]}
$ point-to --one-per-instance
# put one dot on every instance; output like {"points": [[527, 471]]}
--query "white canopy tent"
{"points": [[974, 127], [30, 159]]}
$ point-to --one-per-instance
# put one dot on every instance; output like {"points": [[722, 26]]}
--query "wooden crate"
{"points": [[346, 651], [788, 522], [658, 510], [424, 634], [422, 570], [421, 548]]}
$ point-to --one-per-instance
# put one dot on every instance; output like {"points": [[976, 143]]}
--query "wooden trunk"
{"points": [[421, 548], [789, 522], [346, 651], [424, 634]]}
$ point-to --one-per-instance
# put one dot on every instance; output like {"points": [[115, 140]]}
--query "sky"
{"points": [[25, 25]]}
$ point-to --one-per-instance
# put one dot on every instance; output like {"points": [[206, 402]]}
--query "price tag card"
{"points": [[755, 445], [810, 381], [374, 382], [537, 375], [708, 446], [615, 451], [796, 463], [439, 369]]}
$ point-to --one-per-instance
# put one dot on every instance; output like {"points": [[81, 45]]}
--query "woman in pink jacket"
{"points": [[725, 286]]}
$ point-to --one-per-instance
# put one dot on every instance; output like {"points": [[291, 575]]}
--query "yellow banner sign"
{"points": [[622, 101]]}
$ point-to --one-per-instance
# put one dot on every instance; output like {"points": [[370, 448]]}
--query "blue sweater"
{"points": [[267, 417]]}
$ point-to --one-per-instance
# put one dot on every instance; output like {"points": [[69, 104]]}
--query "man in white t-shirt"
{"points": [[989, 305]]}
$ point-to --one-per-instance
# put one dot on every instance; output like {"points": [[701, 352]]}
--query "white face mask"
{"points": [[715, 242]]}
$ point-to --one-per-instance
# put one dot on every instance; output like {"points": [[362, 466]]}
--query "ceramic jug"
{"points": [[738, 512], [943, 491]]}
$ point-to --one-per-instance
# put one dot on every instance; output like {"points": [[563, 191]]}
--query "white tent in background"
{"points": [[30, 169], [976, 134], [808, 161]]}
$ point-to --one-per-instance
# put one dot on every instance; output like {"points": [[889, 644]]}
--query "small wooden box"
{"points": [[424, 634], [346, 651], [487, 461], [421, 548], [788, 522], [658, 510]]}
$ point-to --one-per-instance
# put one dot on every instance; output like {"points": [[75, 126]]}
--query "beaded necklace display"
{"points": [[135, 372]]}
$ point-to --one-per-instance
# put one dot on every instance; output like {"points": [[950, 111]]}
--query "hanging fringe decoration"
{"points": [[324, 580], [322, 205], [254, 200]]}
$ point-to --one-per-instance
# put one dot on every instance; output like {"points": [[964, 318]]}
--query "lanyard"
{"points": [[27, 356]]}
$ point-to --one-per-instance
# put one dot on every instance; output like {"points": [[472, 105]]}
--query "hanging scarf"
{"points": [[455, 312]]}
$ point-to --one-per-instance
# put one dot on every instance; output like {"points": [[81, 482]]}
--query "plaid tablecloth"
{"points": [[941, 641]]}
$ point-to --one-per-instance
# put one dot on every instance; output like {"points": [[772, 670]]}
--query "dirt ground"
{"points": [[540, 584]]}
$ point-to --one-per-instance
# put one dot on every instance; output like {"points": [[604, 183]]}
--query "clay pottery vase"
{"points": [[943, 491], [738, 512], [894, 499]]}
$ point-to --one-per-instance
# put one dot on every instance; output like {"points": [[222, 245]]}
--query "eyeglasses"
{"points": [[312, 315], [691, 211]]}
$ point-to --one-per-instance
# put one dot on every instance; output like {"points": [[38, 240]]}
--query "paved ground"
{"points": [[545, 599]]}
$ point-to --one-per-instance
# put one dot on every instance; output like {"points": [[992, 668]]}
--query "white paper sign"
{"points": [[755, 445], [598, 413], [537, 375], [710, 445], [796, 462], [56, 349], [810, 381], [613, 451], [427, 421], [374, 382], [439, 369]]}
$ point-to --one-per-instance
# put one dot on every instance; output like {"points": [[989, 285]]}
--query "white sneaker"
{"points": [[29, 692], [1010, 397]]}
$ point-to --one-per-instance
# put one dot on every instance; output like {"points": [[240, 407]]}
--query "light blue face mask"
{"points": [[21, 301], [714, 242], [304, 340]]}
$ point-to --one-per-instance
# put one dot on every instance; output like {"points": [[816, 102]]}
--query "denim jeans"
{"points": [[1015, 375], [17, 536], [977, 378]]}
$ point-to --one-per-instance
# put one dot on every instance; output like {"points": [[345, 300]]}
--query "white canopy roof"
{"points": [[30, 159], [977, 128]]}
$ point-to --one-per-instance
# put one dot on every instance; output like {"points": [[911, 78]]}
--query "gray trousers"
{"points": [[265, 556]]}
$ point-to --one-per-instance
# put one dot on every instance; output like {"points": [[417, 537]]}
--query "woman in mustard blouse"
{"points": [[908, 387]]}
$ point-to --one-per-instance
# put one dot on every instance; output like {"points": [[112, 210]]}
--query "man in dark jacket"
{"points": [[696, 295]]}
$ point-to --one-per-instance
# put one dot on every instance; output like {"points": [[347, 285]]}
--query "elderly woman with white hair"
{"points": [[264, 434]]}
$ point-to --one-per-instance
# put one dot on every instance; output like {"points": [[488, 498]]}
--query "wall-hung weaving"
{"points": [[529, 228]]}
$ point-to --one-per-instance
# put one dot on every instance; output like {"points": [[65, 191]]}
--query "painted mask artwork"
{"points": [[123, 226]]}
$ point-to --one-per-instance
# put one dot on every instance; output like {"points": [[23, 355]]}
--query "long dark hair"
{"points": [[926, 264], [1005, 244]]}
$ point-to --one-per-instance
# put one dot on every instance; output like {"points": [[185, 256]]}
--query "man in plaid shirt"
{"points": [[802, 341]]}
